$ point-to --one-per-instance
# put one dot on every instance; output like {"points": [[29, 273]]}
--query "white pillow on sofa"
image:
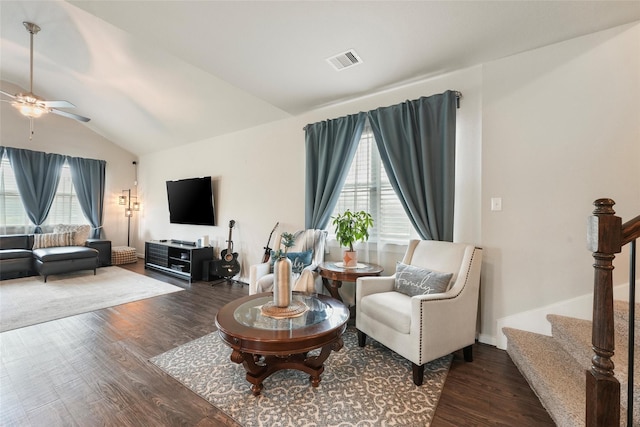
{"points": [[81, 232], [51, 240]]}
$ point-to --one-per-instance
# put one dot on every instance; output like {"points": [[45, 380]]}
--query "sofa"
{"points": [[63, 251]]}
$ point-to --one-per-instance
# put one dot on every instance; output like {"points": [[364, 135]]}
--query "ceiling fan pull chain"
{"points": [[30, 128]]}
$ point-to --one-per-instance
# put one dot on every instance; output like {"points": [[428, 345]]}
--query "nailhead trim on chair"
{"points": [[466, 279]]}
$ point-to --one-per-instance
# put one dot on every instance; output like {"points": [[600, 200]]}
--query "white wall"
{"points": [[561, 128], [259, 173], [55, 134]]}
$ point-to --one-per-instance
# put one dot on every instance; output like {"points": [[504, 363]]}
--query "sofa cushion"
{"points": [[412, 280], [15, 253], [81, 232], [16, 241], [390, 308], [64, 253], [48, 240]]}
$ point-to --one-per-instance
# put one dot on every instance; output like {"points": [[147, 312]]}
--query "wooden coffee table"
{"points": [[265, 345]]}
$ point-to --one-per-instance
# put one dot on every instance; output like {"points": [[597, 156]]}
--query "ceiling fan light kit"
{"points": [[32, 106], [31, 111]]}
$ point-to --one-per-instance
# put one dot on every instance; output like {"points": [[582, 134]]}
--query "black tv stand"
{"points": [[183, 261]]}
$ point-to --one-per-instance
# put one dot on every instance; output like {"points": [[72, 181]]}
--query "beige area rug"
{"points": [[28, 301], [365, 387]]}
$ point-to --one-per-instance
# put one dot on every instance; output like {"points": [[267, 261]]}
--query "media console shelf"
{"points": [[176, 259]]}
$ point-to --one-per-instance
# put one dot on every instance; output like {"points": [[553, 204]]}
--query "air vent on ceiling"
{"points": [[345, 60]]}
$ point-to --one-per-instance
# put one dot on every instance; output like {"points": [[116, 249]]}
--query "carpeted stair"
{"points": [[555, 366]]}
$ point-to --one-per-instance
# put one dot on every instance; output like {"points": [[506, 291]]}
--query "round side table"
{"points": [[333, 274]]}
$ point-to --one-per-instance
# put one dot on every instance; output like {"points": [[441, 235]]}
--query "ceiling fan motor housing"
{"points": [[31, 27]]}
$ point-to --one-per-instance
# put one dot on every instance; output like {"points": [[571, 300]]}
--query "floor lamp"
{"points": [[125, 200]]}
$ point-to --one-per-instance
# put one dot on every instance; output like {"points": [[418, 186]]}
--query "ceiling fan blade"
{"points": [[70, 115], [8, 94], [58, 104]]}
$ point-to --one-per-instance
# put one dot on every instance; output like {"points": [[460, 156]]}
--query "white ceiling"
{"points": [[155, 74]]}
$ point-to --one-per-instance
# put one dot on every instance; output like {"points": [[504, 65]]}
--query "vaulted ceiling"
{"points": [[156, 74]]}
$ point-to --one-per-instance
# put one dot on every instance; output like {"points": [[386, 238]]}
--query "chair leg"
{"points": [[362, 339], [418, 373], [467, 352]]}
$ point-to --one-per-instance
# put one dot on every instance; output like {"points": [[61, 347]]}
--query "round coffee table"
{"points": [[265, 345]]}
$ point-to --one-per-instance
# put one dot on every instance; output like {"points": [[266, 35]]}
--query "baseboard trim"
{"points": [[536, 320]]}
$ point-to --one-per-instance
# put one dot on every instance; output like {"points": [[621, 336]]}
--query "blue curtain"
{"points": [[416, 141], [37, 176], [330, 148], [88, 177]]}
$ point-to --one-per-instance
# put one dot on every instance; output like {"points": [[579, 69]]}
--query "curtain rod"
{"points": [[458, 96], [457, 93]]}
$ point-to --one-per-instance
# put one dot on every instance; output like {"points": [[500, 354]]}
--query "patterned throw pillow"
{"points": [[82, 232], [50, 240], [299, 260], [412, 280]]}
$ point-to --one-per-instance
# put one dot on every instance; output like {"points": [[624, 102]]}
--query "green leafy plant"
{"points": [[287, 240], [352, 227]]}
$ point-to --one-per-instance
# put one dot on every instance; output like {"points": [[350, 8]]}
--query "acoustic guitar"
{"points": [[228, 266], [267, 249]]}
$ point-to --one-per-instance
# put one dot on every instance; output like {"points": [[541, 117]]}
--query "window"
{"points": [[367, 187], [13, 217]]}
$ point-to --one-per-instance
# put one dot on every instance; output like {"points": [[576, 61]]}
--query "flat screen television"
{"points": [[191, 201]]}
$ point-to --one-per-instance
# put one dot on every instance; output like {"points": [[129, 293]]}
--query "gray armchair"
{"points": [[306, 279], [424, 327]]}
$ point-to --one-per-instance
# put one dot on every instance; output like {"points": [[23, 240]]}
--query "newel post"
{"points": [[603, 389]]}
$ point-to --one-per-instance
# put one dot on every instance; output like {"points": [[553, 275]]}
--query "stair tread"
{"points": [[621, 318], [621, 309], [543, 362], [575, 336]]}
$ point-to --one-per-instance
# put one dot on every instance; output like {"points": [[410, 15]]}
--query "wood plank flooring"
{"points": [[92, 369]]}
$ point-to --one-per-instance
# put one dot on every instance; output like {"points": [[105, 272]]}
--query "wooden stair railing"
{"points": [[606, 236]]}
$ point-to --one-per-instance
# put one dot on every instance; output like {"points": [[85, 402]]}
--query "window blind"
{"points": [[367, 188], [13, 217]]}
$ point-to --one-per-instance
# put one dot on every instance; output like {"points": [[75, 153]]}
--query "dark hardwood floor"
{"points": [[92, 369]]}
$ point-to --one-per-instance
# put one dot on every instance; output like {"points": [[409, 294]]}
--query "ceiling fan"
{"points": [[32, 106]]}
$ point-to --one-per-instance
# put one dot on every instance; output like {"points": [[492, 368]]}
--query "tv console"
{"points": [[181, 260]]}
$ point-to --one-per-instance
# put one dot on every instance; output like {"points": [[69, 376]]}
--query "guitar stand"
{"points": [[228, 281]]}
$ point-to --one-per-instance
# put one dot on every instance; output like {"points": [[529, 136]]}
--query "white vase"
{"points": [[282, 288], [350, 259]]}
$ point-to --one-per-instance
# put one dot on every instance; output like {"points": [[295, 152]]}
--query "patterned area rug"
{"points": [[368, 386]]}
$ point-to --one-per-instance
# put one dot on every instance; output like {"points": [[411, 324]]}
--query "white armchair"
{"points": [[422, 328], [308, 280]]}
